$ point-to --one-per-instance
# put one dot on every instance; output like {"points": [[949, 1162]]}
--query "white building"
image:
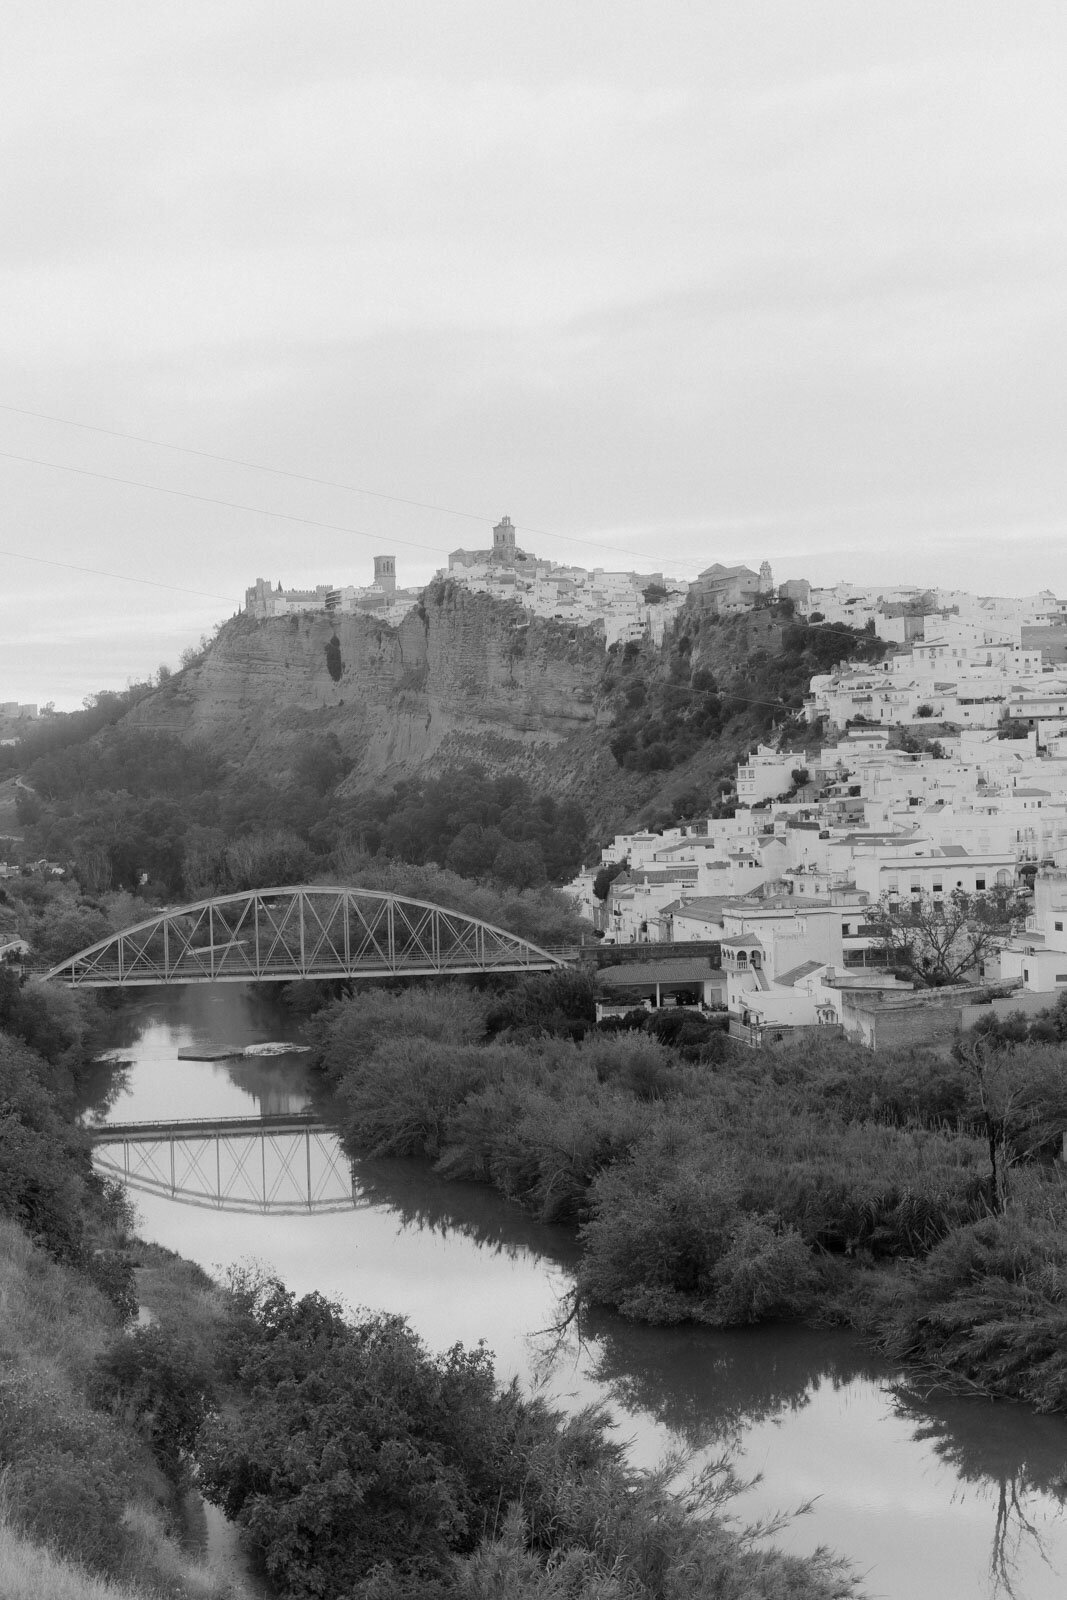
{"points": [[1038, 956]]}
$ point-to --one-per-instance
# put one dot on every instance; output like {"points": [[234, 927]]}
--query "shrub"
{"points": [[150, 1380], [562, 1002], [352, 1446], [766, 1270], [988, 1309]]}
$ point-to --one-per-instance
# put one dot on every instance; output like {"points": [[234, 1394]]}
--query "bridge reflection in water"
{"points": [[284, 1166]]}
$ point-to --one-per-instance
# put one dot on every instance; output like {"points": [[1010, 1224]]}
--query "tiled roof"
{"points": [[686, 874], [704, 906]]}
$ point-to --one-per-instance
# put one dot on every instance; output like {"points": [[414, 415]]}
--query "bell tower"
{"points": [[504, 542], [385, 574]]}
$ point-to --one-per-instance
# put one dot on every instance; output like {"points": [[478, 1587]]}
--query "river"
{"points": [[932, 1498]]}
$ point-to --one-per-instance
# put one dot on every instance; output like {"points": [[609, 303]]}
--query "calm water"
{"points": [[932, 1499]]}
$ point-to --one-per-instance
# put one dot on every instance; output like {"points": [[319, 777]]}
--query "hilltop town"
{"points": [[891, 872], [903, 869], [888, 856], [622, 605]]}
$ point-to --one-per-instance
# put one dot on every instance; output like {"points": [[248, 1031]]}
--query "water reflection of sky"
{"points": [[918, 1492]]}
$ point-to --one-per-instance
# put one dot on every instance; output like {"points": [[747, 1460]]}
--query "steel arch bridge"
{"points": [[276, 935]]}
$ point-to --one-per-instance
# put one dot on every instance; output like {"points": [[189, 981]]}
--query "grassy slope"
{"points": [[52, 1327], [29, 1572]]}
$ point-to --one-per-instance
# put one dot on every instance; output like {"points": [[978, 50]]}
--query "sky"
{"points": [[669, 284]]}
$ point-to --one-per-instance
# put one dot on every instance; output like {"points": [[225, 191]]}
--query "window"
{"points": [[742, 959], [1061, 977], [937, 888], [1058, 926], [979, 883], [1026, 974]]}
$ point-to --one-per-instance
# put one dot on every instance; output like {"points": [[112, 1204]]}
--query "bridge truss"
{"points": [[280, 1167], [276, 935]]}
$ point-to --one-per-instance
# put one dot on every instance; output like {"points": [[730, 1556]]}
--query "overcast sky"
{"points": [[669, 283]]}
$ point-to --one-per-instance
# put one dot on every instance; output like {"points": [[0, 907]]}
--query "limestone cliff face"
{"points": [[462, 677]]}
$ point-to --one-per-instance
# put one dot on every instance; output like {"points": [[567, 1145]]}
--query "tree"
{"points": [[519, 862], [943, 940], [606, 877], [161, 1385], [351, 1446], [473, 850]]}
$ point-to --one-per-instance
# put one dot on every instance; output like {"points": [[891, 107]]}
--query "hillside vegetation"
{"points": [[197, 805], [688, 712]]}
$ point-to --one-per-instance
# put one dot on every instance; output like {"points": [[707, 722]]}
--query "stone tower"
{"points": [[766, 580], [385, 574], [504, 542]]}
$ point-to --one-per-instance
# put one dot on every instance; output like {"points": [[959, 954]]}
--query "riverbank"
{"points": [[936, 1498], [101, 1422], [915, 1200]]}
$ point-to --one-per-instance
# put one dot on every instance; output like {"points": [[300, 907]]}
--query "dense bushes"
{"points": [[352, 1446], [988, 1305], [52, 1021], [561, 1002], [46, 1183], [908, 1195], [361, 1465], [160, 1386]]}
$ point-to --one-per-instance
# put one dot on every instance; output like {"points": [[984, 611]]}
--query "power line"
{"points": [[322, 483], [212, 500], [231, 505], [118, 577]]}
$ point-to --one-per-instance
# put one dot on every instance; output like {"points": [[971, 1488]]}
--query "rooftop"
{"points": [[788, 979], [703, 905], [678, 969]]}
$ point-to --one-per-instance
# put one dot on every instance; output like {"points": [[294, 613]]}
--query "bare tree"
{"points": [[939, 940]]}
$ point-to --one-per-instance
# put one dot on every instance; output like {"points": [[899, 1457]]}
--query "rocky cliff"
{"points": [[460, 678], [636, 734]]}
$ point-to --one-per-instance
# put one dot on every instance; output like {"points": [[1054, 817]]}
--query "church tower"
{"points": [[504, 542], [385, 574]]}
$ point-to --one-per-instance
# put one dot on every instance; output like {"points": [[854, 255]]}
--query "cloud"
{"points": [[777, 275]]}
